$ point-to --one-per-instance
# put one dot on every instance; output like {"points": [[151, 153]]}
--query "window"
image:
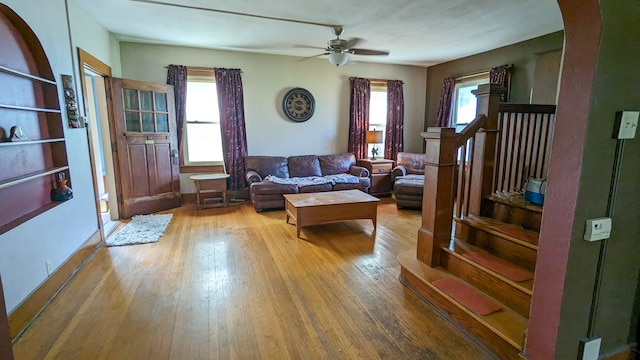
{"points": [[464, 102], [202, 136], [378, 113]]}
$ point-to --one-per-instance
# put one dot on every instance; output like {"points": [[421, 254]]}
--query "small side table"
{"points": [[210, 183], [380, 170]]}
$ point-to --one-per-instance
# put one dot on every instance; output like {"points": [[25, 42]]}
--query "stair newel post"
{"points": [[437, 195], [488, 97]]}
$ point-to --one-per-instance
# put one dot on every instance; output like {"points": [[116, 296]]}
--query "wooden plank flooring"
{"points": [[230, 283]]}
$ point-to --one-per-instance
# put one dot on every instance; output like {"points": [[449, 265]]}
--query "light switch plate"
{"points": [[589, 349], [597, 229], [626, 124]]}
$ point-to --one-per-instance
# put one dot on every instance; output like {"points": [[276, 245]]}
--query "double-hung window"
{"points": [[464, 102], [202, 136], [378, 112]]}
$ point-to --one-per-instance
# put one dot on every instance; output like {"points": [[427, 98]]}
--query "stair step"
{"points": [[511, 208], [493, 226], [515, 199], [516, 295], [487, 234], [502, 331]]}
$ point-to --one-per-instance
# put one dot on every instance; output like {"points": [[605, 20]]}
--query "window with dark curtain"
{"points": [[232, 124], [359, 117], [177, 76], [394, 140]]}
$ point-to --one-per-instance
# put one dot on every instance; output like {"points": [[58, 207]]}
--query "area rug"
{"points": [[500, 266], [141, 229], [466, 296]]}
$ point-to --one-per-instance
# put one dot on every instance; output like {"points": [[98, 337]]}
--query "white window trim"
{"points": [[464, 81], [200, 77]]}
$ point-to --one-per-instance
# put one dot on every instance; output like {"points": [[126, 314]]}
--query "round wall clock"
{"points": [[298, 105]]}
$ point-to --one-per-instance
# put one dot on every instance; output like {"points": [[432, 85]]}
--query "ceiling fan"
{"points": [[339, 49]]}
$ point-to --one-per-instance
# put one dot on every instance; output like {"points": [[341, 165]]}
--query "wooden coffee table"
{"points": [[324, 207]]}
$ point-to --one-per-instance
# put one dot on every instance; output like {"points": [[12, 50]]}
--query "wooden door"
{"points": [[146, 147]]}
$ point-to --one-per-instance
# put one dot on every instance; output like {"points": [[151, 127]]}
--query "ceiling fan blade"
{"points": [[351, 43], [368, 52], [314, 56], [310, 47]]}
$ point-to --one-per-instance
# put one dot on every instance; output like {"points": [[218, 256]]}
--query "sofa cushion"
{"points": [[363, 184], [304, 165], [413, 162], [267, 165], [315, 188], [409, 186], [337, 163], [268, 188]]}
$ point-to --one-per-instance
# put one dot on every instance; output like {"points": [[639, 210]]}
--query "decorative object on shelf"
{"points": [[374, 137], [70, 102], [62, 192], [17, 134], [298, 105]]}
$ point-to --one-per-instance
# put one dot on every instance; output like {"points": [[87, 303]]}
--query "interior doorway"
{"points": [[94, 75]]}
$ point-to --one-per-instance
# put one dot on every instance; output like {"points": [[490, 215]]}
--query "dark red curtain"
{"points": [[359, 117], [177, 76], [234, 135], [501, 75], [394, 140], [443, 118]]}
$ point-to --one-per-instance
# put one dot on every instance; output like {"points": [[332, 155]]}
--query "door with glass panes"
{"points": [[145, 147]]}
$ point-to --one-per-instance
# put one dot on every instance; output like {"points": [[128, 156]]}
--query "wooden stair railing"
{"points": [[439, 181], [523, 146], [465, 161]]}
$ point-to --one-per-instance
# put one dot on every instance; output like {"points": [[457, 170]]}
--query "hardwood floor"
{"points": [[230, 283]]}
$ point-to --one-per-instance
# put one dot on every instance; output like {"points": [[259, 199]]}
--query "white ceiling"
{"points": [[422, 33]]}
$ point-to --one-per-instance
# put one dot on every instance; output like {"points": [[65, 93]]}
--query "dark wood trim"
{"points": [[93, 63], [189, 198], [626, 353], [527, 108], [25, 313], [6, 349]]}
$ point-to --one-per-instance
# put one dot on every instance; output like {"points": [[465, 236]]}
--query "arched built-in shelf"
{"points": [[28, 100]]}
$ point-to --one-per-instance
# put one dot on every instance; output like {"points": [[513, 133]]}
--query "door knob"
{"points": [[174, 155]]}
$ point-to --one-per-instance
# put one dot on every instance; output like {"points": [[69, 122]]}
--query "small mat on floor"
{"points": [[517, 232], [500, 266], [141, 229], [466, 296]]}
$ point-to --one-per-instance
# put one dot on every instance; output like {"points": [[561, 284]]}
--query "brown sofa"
{"points": [[408, 180], [267, 194]]}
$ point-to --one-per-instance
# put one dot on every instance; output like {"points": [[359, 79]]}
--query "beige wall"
{"points": [[266, 78], [56, 234]]}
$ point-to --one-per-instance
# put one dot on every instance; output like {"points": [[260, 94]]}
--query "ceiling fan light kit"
{"points": [[338, 50], [338, 58]]}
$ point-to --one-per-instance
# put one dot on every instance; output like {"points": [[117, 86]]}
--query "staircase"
{"points": [[489, 260]]}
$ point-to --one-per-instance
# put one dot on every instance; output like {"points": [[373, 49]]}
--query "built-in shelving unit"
{"points": [[31, 162]]}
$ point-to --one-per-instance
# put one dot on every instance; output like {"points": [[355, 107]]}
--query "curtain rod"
{"points": [[375, 80], [473, 74], [201, 68], [478, 73]]}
